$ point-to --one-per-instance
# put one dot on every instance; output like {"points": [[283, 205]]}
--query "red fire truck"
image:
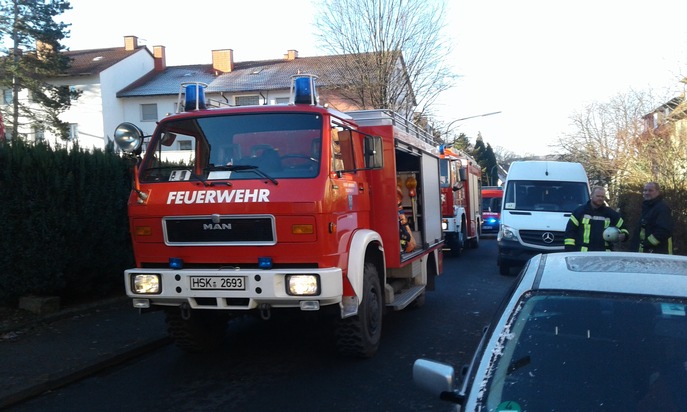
{"points": [[491, 208], [461, 199], [280, 207]]}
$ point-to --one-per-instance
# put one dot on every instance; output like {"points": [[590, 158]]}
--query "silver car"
{"points": [[599, 331]]}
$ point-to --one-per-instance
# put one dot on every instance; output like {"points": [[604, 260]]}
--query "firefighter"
{"points": [[407, 240], [337, 158], [655, 231], [584, 231]]}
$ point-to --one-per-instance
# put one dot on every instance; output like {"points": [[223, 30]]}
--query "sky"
{"points": [[536, 62]]}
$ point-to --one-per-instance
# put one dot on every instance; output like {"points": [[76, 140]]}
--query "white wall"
{"points": [[116, 78]]}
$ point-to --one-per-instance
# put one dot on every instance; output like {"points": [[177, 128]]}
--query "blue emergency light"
{"points": [[303, 90], [194, 96], [265, 262], [176, 263]]}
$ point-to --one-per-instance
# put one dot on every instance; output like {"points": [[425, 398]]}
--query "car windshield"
{"points": [[547, 196], [237, 146], [587, 353]]}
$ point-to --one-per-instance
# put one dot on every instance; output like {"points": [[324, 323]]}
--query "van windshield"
{"points": [[546, 196]]}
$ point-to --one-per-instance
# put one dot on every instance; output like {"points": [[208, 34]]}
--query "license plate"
{"points": [[218, 282]]}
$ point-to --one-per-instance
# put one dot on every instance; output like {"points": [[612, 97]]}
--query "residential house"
{"points": [[99, 74], [134, 84]]}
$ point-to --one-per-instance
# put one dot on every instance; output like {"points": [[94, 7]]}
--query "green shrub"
{"points": [[63, 222]]}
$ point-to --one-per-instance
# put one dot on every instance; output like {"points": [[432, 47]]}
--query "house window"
{"points": [[73, 131], [149, 112], [7, 96], [281, 100], [247, 100], [39, 133], [185, 145]]}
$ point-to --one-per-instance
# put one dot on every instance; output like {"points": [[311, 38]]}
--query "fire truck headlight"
{"points": [[444, 224], [145, 283], [303, 285]]}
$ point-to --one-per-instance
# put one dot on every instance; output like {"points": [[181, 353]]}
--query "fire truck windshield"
{"points": [[236, 146]]}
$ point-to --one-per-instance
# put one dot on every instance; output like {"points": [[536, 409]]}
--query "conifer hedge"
{"points": [[63, 222]]}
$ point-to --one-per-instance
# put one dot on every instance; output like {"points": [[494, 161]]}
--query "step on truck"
{"points": [[281, 207], [461, 199]]}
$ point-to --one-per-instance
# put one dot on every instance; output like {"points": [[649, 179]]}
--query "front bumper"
{"points": [[514, 253], [261, 288]]}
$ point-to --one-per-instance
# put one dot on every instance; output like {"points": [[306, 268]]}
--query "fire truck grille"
{"points": [[542, 237], [219, 230]]}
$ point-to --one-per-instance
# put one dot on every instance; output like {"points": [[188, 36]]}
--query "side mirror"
{"points": [[129, 138], [374, 158], [463, 174]]}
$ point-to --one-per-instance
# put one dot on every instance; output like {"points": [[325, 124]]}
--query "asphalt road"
{"points": [[289, 363]]}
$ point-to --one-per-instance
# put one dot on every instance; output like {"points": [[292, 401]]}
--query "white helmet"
{"points": [[611, 234]]}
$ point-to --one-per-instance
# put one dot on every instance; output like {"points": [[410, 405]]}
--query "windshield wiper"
{"points": [[241, 168], [230, 168], [519, 363], [158, 168]]}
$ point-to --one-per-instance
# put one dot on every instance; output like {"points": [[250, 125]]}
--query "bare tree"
{"points": [[395, 51], [604, 138], [661, 151]]}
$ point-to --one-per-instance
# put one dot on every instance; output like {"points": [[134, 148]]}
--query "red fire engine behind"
{"points": [[461, 181]]}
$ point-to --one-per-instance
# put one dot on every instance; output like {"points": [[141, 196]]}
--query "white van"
{"points": [[538, 199]]}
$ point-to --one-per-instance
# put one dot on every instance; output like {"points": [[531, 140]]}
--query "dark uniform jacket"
{"points": [[655, 231], [584, 231]]}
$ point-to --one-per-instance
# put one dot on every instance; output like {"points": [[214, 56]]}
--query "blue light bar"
{"points": [[176, 263], [265, 262], [194, 96], [303, 90]]}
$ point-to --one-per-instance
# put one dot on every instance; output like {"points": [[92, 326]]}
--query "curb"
{"points": [[61, 314], [67, 378]]}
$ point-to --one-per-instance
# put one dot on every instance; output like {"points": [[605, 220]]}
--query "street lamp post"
{"points": [[448, 126]]}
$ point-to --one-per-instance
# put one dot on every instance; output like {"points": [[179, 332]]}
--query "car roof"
{"points": [[615, 272]]}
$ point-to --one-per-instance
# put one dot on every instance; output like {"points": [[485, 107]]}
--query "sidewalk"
{"points": [[72, 344]]}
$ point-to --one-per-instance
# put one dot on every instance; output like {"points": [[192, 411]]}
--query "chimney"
{"points": [[291, 55], [223, 60], [130, 43], [160, 58], [43, 49]]}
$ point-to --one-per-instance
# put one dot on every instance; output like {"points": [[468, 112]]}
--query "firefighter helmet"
{"points": [[611, 234]]}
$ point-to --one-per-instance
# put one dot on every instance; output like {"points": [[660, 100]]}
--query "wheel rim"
{"points": [[372, 311]]}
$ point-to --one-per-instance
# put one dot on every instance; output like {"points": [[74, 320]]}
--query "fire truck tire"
{"points": [[359, 335], [474, 242], [203, 331], [459, 241], [504, 269]]}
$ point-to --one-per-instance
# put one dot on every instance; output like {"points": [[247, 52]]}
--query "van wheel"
{"points": [[359, 335], [203, 331], [504, 269]]}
